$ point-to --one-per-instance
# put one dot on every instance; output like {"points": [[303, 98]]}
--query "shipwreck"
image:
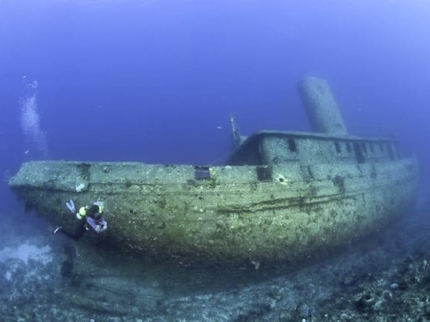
{"points": [[282, 196]]}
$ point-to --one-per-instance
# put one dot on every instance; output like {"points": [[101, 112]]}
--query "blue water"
{"points": [[156, 81]]}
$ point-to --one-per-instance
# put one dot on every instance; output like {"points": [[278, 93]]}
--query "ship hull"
{"points": [[226, 215]]}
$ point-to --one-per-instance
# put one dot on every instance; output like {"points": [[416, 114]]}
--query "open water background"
{"points": [[156, 81]]}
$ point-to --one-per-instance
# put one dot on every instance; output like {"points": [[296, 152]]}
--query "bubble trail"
{"points": [[30, 121]]}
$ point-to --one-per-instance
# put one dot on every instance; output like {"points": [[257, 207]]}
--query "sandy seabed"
{"points": [[385, 278]]}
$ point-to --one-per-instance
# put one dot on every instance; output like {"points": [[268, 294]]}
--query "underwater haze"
{"points": [[156, 81]]}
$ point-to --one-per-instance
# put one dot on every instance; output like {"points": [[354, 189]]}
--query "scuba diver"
{"points": [[90, 218]]}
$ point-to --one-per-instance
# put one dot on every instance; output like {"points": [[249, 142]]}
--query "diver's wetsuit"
{"points": [[78, 233]]}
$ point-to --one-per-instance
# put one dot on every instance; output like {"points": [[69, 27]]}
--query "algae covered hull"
{"points": [[229, 214]]}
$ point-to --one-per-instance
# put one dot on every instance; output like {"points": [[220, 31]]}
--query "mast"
{"points": [[237, 140]]}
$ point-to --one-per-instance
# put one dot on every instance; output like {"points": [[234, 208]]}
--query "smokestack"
{"points": [[321, 107]]}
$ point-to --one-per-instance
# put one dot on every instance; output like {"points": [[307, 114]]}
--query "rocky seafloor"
{"points": [[385, 278]]}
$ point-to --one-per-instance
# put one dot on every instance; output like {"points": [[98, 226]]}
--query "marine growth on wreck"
{"points": [[281, 197]]}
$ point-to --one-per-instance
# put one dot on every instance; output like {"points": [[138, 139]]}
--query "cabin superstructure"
{"points": [[277, 147], [329, 141]]}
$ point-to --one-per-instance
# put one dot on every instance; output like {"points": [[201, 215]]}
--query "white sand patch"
{"points": [[25, 251]]}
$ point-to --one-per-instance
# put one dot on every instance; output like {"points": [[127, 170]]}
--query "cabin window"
{"points": [[381, 146], [371, 147], [348, 147], [292, 145], [358, 152], [264, 173], [391, 152], [363, 146], [337, 146], [202, 173]]}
